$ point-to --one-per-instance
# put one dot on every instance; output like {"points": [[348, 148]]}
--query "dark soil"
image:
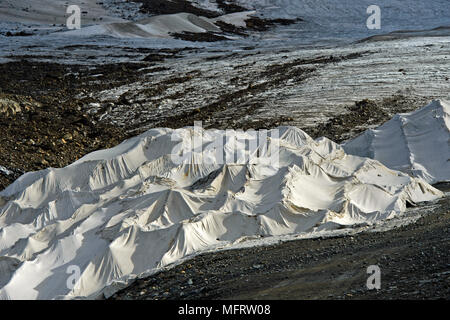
{"points": [[18, 34], [362, 115], [199, 36], [259, 24], [176, 6], [252, 24], [413, 260], [231, 29], [230, 6]]}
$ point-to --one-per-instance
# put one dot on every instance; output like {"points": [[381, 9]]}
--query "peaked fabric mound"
{"points": [[116, 214], [160, 26], [417, 143]]}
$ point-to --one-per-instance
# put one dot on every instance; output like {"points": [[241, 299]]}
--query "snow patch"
{"points": [[161, 26], [5, 171], [120, 213]]}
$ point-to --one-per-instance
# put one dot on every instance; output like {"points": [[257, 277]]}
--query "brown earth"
{"points": [[363, 114]]}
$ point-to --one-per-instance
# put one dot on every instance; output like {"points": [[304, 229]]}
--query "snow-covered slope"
{"points": [[118, 213], [157, 26], [417, 143]]}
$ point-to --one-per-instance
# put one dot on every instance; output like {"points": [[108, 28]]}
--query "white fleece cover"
{"points": [[417, 143], [160, 26], [130, 210]]}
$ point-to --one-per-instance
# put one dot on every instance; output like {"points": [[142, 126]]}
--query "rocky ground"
{"points": [[42, 123]]}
